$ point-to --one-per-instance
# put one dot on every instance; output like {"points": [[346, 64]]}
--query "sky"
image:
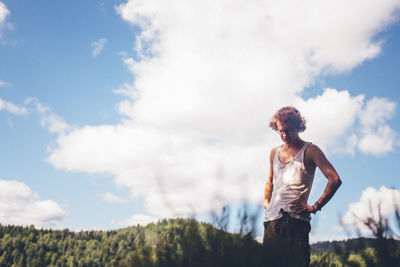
{"points": [[118, 113]]}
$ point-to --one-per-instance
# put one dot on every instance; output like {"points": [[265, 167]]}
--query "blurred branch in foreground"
{"points": [[381, 250]]}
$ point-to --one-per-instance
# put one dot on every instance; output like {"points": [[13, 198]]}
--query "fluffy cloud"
{"points": [[336, 111], [369, 204], [378, 143], [108, 197], [54, 123], [10, 107], [208, 76], [4, 12], [336, 114], [376, 112], [378, 138], [20, 206], [48, 119], [97, 46]]}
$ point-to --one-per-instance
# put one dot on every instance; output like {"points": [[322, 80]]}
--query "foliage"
{"points": [[176, 242], [183, 242], [383, 250]]}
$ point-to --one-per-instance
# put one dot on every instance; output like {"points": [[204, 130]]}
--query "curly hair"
{"points": [[290, 116]]}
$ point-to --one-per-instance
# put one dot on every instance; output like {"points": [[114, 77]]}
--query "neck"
{"points": [[295, 142]]}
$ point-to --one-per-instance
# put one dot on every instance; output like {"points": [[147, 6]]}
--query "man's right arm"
{"points": [[269, 185]]}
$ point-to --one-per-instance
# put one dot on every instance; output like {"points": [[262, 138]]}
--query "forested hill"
{"points": [[353, 245], [177, 242], [378, 251]]}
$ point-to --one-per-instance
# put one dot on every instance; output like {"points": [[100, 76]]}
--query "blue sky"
{"points": [[115, 113]]}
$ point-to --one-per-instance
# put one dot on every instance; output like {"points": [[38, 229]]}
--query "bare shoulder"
{"points": [[314, 150], [273, 152], [313, 146]]}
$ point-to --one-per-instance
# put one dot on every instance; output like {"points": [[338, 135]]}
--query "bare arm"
{"points": [[269, 185], [330, 173], [315, 156]]}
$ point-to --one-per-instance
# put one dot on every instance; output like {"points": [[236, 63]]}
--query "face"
{"points": [[287, 134]]}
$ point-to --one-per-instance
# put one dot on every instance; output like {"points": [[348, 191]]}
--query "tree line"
{"points": [[183, 242], [174, 242]]}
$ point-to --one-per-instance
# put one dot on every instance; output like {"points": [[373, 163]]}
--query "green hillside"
{"points": [[353, 245], [175, 242], [361, 251]]}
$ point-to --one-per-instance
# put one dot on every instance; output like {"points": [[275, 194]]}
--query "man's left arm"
{"points": [[330, 173], [317, 157]]}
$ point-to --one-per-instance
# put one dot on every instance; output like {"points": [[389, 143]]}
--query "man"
{"points": [[291, 174]]}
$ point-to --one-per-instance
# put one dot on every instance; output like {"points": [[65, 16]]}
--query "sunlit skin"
{"points": [[314, 157]]}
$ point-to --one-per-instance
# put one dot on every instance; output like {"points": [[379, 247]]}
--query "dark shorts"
{"points": [[286, 242]]}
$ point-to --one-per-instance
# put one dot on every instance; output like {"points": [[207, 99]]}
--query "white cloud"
{"points": [[4, 12], [54, 123], [4, 84], [330, 115], [108, 197], [14, 109], [336, 114], [376, 112], [378, 143], [208, 76], [20, 206], [48, 119], [368, 205], [136, 219], [98, 46], [377, 137]]}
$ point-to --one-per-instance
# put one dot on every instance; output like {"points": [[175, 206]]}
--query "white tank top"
{"points": [[291, 183]]}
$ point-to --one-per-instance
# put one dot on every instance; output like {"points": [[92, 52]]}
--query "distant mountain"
{"points": [[353, 245]]}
